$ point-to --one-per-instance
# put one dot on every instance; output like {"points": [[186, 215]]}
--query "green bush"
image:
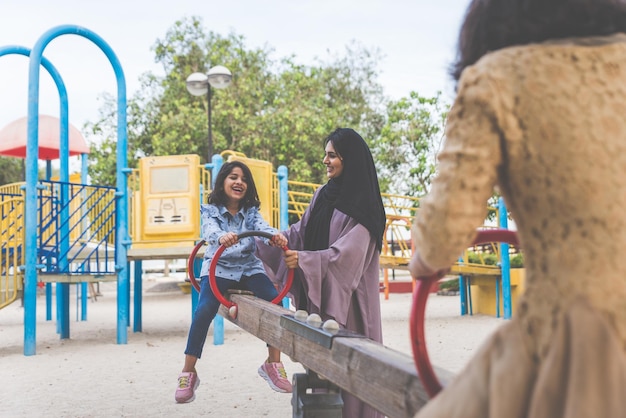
{"points": [[488, 259], [517, 261], [451, 284], [472, 257]]}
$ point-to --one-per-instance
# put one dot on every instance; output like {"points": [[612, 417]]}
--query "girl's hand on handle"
{"points": [[278, 240], [229, 239], [291, 259]]}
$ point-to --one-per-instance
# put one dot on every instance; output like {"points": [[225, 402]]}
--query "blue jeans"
{"points": [[208, 305]]}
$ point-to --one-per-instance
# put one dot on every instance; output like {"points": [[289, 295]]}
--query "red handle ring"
{"points": [[213, 265], [420, 297]]}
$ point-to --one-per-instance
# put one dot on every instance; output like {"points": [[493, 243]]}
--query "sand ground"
{"points": [[89, 375]]}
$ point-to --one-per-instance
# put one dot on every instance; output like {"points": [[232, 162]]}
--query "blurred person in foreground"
{"points": [[540, 113]]}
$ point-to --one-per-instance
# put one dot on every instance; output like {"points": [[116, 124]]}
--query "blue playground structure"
{"points": [[31, 254]]}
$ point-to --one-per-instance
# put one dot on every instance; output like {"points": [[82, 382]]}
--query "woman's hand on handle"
{"points": [[291, 259], [279, 240]]}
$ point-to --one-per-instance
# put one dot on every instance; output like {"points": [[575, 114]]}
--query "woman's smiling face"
{"points": [[333, 162]]}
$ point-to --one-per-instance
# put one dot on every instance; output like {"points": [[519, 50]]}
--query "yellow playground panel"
{"points": [[167, 192], [165, 206], [483, 291], [11, 241], [266, 184]]}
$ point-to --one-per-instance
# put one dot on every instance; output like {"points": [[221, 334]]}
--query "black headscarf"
{"points": [[355, 192]]}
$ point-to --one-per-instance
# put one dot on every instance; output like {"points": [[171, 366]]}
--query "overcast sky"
{"points": [[417, 39]]}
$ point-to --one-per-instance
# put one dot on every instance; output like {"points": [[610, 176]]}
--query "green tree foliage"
{"points": [[409, 142], [274, 110], [11, 170]]}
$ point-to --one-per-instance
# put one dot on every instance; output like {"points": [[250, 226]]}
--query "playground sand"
{"points": [[89, 375]]}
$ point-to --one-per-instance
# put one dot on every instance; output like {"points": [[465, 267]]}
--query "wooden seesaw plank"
{"points": [[384, 378]]}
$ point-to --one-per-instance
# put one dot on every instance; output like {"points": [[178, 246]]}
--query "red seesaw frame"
{"points": [[420, 296], [216, 256]]}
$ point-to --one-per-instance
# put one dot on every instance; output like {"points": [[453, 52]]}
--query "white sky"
{"points": [[417, 39]]}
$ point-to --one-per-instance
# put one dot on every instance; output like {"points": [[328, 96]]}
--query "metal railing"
{"points": [[400, 210], [76, 228], [84, 243], [11, 245]]}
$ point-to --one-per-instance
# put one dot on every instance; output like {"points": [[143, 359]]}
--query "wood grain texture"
{"points": [[384, 378]]}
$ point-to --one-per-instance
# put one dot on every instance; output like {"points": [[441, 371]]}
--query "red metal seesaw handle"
{"points": [[420, 297], [212, 267]]}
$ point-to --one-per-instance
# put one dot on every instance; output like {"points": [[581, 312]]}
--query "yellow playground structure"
{"points": [[164, 224]]}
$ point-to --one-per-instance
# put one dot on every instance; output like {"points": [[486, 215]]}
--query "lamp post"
{"points": [[200, 84]]}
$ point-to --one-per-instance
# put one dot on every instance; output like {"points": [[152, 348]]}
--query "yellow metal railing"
{"points": [[275, 212], [400, 210], [299, 196], [481, 259], [11, 248], [12, 189]]}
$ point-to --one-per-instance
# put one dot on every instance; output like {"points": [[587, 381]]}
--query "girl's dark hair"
{"points": [[218, 194], [490, 25]]}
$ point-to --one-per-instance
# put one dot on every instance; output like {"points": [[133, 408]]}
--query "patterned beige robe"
{"points": [[547, 124]]}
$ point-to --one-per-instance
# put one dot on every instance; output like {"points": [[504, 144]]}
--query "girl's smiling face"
{"points": [[235, 186], [333, 162]]}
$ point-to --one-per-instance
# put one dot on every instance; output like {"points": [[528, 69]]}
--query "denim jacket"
{"points": [[238, 259]]}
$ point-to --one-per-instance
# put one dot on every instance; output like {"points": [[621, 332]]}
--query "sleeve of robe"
{"points": [[342, 281], [456, 205]]}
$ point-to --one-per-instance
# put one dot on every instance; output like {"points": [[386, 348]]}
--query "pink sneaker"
{"points": [[276, 377], [188, 382]]}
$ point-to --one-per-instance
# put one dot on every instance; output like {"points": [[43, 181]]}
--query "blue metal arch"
{"points": [[32, 151], [58, 81], [64, 157]]}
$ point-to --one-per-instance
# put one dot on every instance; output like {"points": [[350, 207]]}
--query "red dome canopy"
{"points": [[13, 138]]}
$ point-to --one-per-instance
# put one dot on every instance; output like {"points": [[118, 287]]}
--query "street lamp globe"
{"points": [[197, 84], [219, 77]]}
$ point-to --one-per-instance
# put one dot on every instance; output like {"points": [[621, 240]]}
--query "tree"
{"points": [[11, 170], [275, 110], [409, 143]]}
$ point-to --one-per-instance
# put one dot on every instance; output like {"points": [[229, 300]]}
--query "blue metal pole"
{"points": [[197, 266], [122, 238], [84, 179], [216, 164], [463, 294], [218, 322], [30, 217], [63, 289], [462, 291], [83, 301], [64, 242], [128, 295], [197, 262], [49, 285], [283, 190], [505, 263], [48, 302], [283, 197], [137, 326]]}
